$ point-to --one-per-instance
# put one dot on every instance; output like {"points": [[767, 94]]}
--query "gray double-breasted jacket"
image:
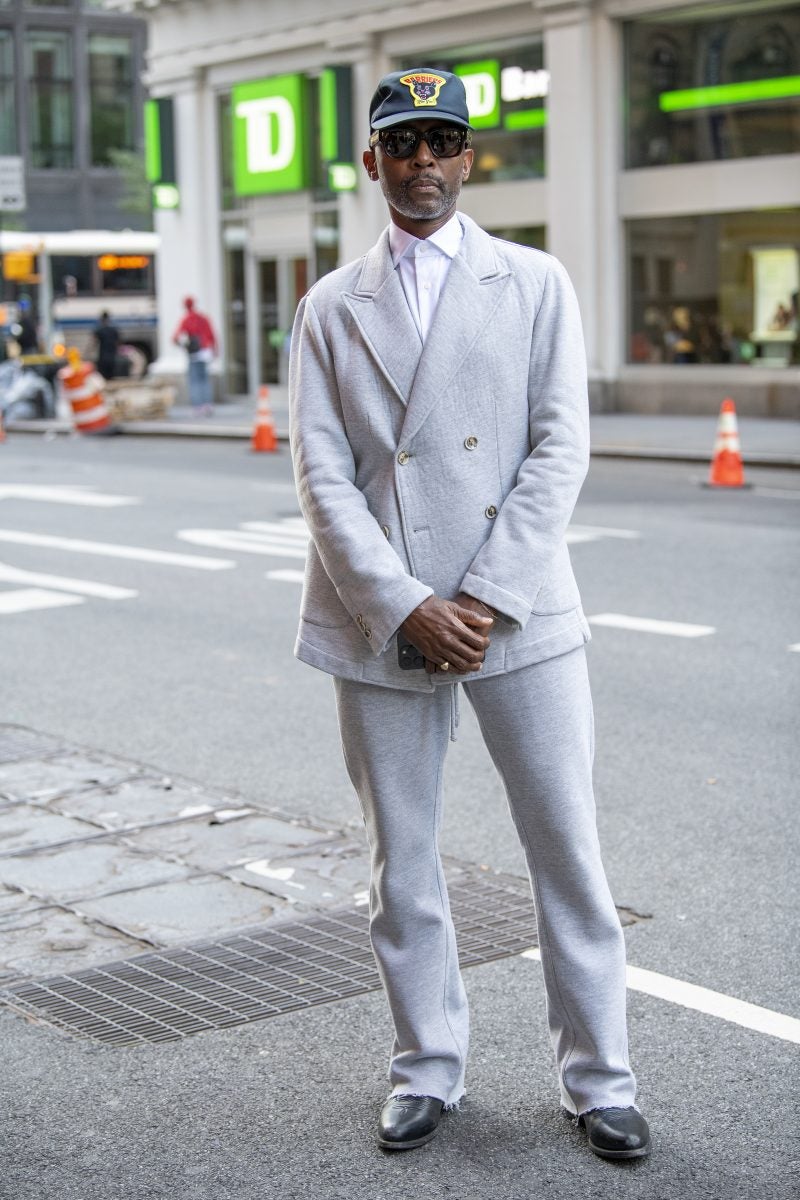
{"points": [[453, 466]]}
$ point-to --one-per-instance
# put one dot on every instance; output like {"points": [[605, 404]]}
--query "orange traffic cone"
{"points": [[264, 430], [727, 469]]}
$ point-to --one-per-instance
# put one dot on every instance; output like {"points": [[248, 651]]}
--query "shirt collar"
{"points": [[447, 240]]}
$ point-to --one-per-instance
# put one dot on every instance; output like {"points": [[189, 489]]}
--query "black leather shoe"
{"points": [[408, 1121], [616, 1132]]}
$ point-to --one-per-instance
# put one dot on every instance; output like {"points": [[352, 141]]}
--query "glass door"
{"points": [[282, 283]]}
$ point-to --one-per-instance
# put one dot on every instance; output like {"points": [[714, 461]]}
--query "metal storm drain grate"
{"points": [[164, 996]]}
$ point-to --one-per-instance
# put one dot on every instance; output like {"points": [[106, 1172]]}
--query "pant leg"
{"points": [[394, 746], [538, 727], [199, 383]]}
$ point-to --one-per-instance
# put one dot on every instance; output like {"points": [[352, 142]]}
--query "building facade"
{"points": [[652, 146], [70, 95]]}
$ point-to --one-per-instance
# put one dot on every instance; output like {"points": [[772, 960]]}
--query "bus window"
{"points": [[71, 275], [128, 273]]}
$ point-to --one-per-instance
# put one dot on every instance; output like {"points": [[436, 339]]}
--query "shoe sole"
{"points": [[642, 1152], [410, 1145]]}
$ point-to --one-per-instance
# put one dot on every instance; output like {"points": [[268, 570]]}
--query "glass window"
{"points": [[228, 198], [718, 88], [236, 323], [715, 289], [8, 125], [111, 96], [71, 275], [506, 96], [527, 235], [49, 72]]}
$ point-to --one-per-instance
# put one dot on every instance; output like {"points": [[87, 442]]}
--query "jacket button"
{"points": [[385, 530], [490, 512], [470, 443], [403, 457]]}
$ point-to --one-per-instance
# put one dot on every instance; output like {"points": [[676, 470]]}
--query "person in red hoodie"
{"points": [[196, 334]]}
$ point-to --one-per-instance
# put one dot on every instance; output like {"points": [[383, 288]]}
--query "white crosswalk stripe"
{"points": [[27, 599], [649, 625], [82, 587], [110, 550], [68, 493]]}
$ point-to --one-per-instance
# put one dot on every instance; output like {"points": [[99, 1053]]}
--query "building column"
{"points": [[582, 167], [189, 251], [362, 213]]}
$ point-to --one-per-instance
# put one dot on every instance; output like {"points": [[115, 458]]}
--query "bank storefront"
{"points": [[656, 152]]}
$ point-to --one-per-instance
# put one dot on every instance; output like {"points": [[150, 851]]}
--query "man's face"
{"points": [[421, 190]]}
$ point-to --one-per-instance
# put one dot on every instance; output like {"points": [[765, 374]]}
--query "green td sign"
{"points": [[269, 135]]}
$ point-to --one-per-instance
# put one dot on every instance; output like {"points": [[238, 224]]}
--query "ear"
{"points": [[466, 165], [370, 166]]}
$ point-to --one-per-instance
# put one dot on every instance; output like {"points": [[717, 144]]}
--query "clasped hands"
{"points": [[455, 632]]}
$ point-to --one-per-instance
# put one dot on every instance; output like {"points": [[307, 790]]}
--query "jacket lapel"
{"points": [[380, 310], [474, 285]]}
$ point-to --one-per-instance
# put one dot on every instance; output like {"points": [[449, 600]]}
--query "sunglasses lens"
{"points": [[446, 142], [399, 143]]}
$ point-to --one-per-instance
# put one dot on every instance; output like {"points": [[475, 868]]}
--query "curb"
{"points": [[237, 432]]}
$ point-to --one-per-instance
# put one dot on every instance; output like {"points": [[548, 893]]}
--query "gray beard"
{"points": [[403, 202]]}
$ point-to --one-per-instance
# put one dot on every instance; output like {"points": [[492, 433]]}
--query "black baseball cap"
{"points": [[417, 94]]}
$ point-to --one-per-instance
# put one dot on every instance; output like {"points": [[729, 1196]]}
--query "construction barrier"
{"points": [[727, 468], [84, 388], [264, 437]]}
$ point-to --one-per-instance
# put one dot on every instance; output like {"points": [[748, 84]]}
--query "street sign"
{"points": [[12, 183]]}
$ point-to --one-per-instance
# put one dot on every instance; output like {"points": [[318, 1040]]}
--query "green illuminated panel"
{"points": [[482, 83], [730, 93], [328, 128], [533, 118], [152, 141]]}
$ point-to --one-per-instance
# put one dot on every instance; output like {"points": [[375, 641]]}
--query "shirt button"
{"points": [[490, 512], [470, 443], [426, 287], [403, 457]]}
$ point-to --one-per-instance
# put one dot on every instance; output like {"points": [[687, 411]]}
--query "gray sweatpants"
{"points": [[537, 725]]}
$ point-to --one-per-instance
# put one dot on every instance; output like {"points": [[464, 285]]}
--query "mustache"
{"points": [[406, 183]]}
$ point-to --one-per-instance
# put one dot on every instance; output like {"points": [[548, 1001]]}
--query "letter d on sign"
{"points": [[272, 114], [270, 135]]}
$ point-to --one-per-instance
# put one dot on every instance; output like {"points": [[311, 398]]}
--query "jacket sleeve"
{"points": [[371, 580], [512, 565]]}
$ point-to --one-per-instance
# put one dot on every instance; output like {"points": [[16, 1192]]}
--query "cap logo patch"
{"points": [[424, 87]]}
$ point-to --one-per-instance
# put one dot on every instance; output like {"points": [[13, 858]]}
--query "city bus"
{"points": [[75, 276]]}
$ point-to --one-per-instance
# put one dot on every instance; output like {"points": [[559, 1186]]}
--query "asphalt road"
{"points": [[696, 786]]}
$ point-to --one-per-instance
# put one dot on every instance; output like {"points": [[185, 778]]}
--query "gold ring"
{"points": [[445, 666]]}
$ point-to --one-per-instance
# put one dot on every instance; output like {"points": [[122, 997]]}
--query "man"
{"points": [[106, 336], [196, 334], [440, 439]]}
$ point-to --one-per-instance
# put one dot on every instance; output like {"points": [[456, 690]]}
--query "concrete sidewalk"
{"points": [[765, 441]]}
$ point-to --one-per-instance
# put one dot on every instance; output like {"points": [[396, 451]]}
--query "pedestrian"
{"points": [[25, 331], [195, 333], [106, 336], [440, 436]]}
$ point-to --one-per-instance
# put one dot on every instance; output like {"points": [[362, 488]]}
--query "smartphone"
{"points": [[408, 656]]}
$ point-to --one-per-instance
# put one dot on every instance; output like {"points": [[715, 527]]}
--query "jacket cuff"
{"points": [[506, 603], [380, 627]]}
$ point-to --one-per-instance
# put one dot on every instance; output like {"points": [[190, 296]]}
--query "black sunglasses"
{"points": [[401, 141]]}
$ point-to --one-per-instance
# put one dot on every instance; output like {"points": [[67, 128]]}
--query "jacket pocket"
{"points": [[559, 592], [321, 604]]}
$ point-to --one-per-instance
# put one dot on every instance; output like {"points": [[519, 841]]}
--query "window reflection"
{"points": [[712, 89], [715, 289]]}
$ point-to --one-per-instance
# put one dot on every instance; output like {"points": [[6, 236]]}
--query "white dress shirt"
{"points": [[423, 264]]}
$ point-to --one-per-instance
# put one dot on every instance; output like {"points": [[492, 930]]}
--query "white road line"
{"points": [[277, 541], [777, 493], [27, 599], [110, 550], [704, 1000], [287, 576], [68, 493], [593, 533], [794, 646], [648, 625], [84, 587]]}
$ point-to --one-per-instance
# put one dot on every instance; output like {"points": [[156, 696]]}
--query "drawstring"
{"points": [[455, 715]]}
